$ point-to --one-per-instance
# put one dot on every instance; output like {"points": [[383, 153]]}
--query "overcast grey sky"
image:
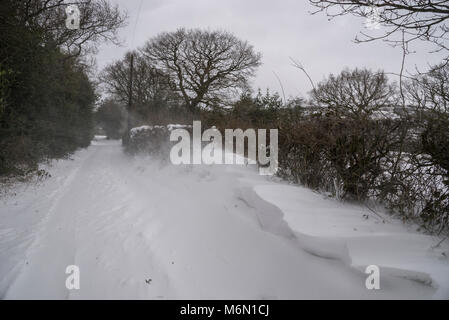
{"points": [[279, 29]]}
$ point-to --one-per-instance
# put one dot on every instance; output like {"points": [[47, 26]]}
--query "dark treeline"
{"points": [[46, 96]]}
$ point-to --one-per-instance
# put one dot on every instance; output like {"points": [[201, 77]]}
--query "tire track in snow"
{"points": [[22, 278]]}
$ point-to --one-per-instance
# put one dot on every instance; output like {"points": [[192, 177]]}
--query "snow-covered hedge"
{"points": [[154, 140], [379, 160]]}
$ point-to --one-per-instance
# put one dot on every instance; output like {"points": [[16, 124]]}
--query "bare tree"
{"points": [[357, 93], [205, 66], [99, 21], [404, 20], [430, 93], [429, 96], [148, 81]]}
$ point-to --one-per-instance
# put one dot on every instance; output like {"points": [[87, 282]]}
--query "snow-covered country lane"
{"points": [[140, 229]]}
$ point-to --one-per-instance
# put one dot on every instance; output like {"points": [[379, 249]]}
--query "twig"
{"points": [[301, 67], [282, 87]]}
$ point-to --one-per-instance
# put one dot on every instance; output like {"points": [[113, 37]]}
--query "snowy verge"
{"points": [[139, 228], [353, 234]]}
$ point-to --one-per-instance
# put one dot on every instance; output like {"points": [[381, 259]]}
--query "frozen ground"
{"points": [[201, 232]]}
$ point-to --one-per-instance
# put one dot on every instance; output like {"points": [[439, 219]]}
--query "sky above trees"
{"points": [[277, 29]]}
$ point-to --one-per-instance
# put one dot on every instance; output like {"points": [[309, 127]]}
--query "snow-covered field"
{"points": [[140, 229]]}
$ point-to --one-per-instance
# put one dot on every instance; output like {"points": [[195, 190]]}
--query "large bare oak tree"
{"points": [[204, 66]]}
